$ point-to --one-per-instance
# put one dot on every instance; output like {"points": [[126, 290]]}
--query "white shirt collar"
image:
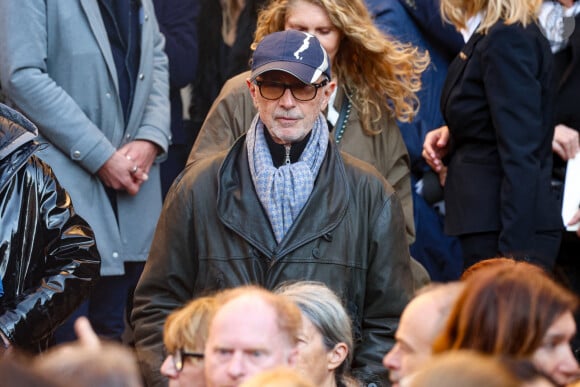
{"points": [[471, 26]]}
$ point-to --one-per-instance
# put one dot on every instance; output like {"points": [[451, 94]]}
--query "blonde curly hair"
{"points": [[377, 71], [457, 12]]}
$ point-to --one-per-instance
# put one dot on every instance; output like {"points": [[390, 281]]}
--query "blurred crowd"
{"points": [[289, 192]]}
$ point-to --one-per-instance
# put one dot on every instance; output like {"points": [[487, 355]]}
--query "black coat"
{"points": [[214, 234], [497, 103], [567, 77], [48, 255]]}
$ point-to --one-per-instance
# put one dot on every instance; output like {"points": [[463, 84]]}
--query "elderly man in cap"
{"points": [[282, 204]]}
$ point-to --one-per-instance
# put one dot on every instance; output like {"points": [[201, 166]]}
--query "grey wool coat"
{"points": [[56, 66]]}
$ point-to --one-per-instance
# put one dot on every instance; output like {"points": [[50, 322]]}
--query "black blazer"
{"points": [[498, 104], [567, 78]]}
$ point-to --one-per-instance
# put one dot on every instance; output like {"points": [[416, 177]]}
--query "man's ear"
{"points": [[335, 357], [328, 90], [253, 91]]}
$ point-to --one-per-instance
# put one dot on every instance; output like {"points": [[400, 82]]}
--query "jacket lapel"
{"points": [[93, 14], [456, 68]]}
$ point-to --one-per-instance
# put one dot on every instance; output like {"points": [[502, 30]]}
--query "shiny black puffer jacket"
{"points": [[48, 255]]}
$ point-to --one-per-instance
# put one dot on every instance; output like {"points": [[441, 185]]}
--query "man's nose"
{"points": [[236, 367], [287, 99], [168, 369], [392, 360]]}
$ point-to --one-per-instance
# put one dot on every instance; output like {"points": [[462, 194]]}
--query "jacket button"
{"points": [[141, 76], [76, 154], [316, 252], [115, 255]]}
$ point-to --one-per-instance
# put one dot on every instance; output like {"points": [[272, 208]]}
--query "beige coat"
{"points": [[233, 110]]}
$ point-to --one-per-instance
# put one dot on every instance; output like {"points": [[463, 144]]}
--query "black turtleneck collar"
{"points": [[278, 151]]}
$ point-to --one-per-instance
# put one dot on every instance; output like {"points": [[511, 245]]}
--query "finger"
{"points": [[569, 151], [85, 333], [442, 178], [442, 140], [140, 177], [429, 152], [575, 219], [132, 189], [559, 150], [574, 149], [428, 159], [434, 166]]}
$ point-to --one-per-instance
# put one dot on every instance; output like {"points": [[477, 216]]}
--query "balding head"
{"points": [[421, 322]]}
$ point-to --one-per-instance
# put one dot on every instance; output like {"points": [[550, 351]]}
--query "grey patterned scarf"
{"points": [[284, 191]]}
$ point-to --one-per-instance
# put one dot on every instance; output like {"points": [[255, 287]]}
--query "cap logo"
{"points": [[304, 47]]}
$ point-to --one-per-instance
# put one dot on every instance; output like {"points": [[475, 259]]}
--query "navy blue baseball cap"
{"points": [[295, 52]]}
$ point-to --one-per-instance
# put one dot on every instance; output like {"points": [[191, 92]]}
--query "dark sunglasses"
{"points": [[301, 91]]}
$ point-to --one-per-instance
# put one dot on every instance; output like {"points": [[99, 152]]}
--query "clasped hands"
{"points": [[129, 166]]}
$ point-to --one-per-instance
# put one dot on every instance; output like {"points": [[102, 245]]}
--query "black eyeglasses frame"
{"points": [[180, 355]]}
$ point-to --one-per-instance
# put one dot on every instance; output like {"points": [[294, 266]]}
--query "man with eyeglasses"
{"points": [[184, 336], [282, 204]]}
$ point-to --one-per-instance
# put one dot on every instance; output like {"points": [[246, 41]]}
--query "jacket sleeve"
{"points": [[229, 117], [178, 23], [389, 287], [398, 167], [61, 259], [512, 67], [166, 282]]}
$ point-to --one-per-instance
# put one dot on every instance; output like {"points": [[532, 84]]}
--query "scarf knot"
{"points": [[283, 191]]}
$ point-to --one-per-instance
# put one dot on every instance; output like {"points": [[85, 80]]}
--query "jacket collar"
{"points": [[239, 208], [574, 52], [15, 130], [91, 9]]}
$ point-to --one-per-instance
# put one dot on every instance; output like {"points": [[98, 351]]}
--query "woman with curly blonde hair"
{"points": [[377, 79], [497, 102]]}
